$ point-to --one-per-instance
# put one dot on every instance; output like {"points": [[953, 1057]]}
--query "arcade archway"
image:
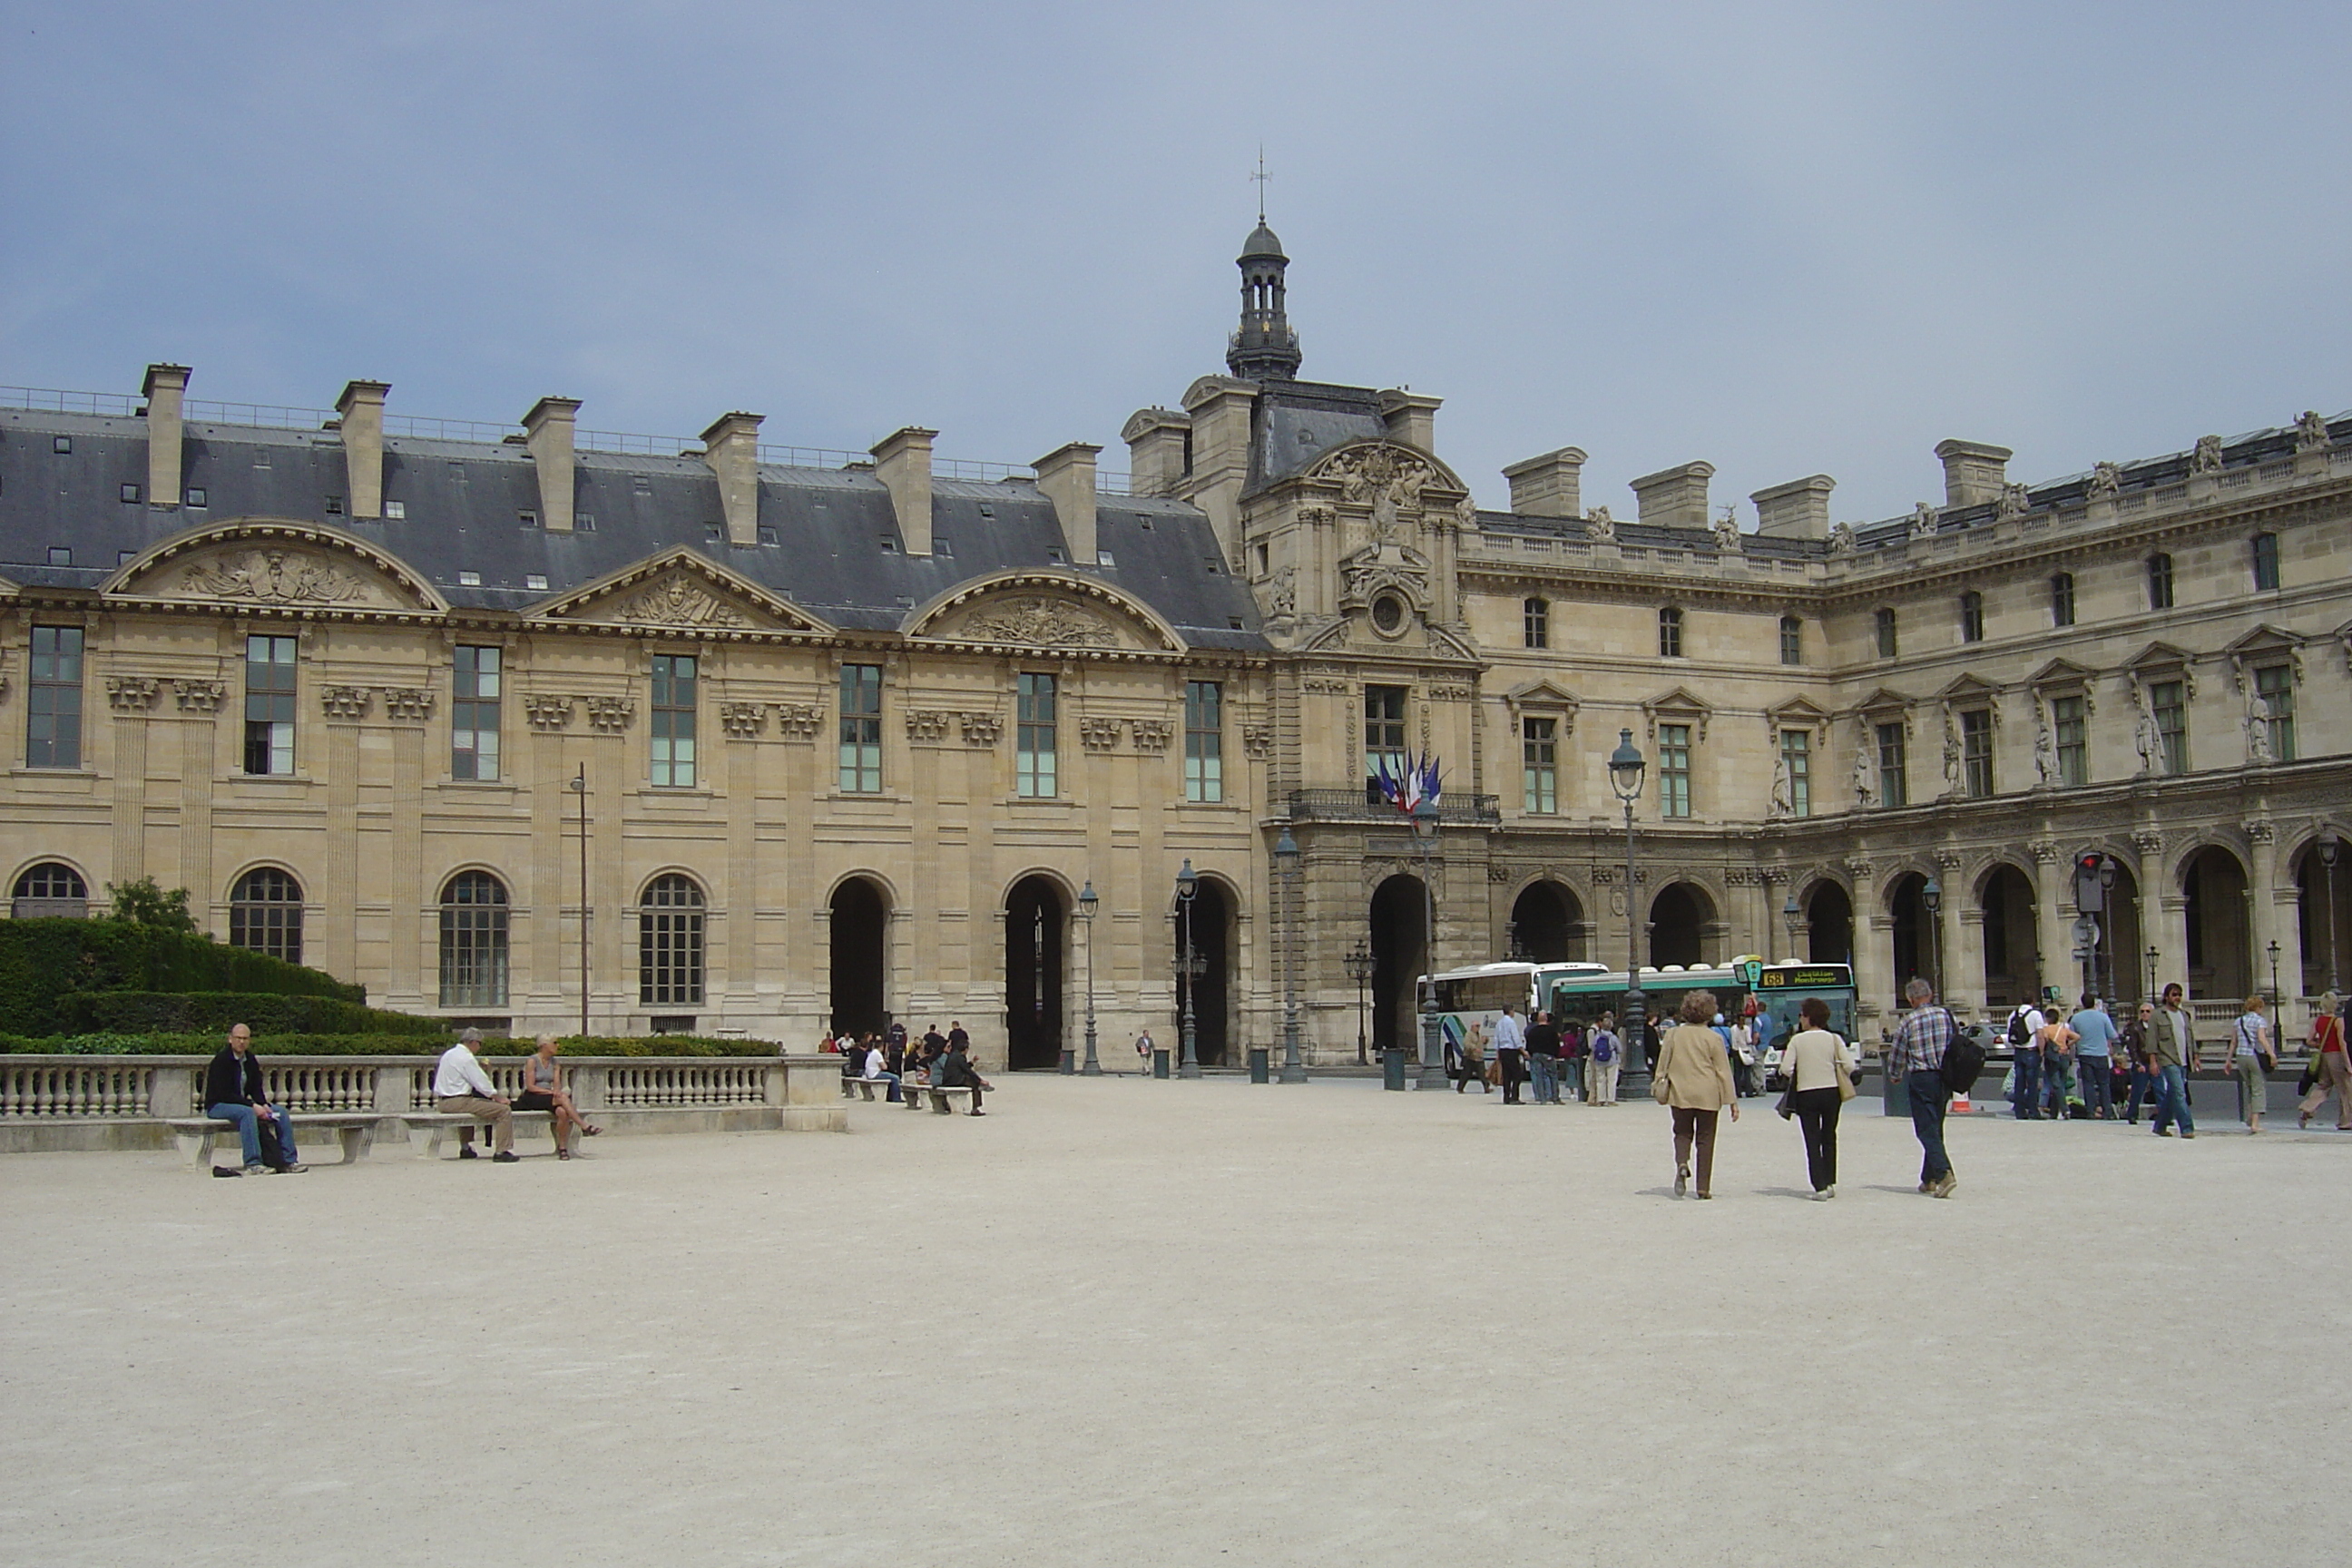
{"points": [[1035, 925], [1400, 923], [1548, 923], [861, 920], [1680, 919]]}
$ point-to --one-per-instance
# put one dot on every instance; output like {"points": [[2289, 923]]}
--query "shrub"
{"points": [[44, 960], [140, 903], [198, 1012]]}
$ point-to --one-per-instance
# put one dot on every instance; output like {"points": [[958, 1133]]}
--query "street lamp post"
{"points": [[1069, 1062], [579, 783], [1931, 897], [1088, 902], [1286, 866], [1188, 885], [1791, 917], [2149, 995], [1359, 969], [1425, 823], [2277, 999], [1626, 766], [2329, 848]]}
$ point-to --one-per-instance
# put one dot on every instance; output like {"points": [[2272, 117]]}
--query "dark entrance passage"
{"points": [[860, 918], [1679, 917], [1829, 916], [1914, 934], [1399, 952], [1548, 924], [1034, 930], [2323, 916], [2221, 948], [2013, 940], [1213, 945], [2123, 972]]}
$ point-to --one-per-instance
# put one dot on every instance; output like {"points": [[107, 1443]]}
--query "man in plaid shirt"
{"points": [[1918, 1058]]}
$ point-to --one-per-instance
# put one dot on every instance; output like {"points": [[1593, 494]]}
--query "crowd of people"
{"points": [[890, 1057]]}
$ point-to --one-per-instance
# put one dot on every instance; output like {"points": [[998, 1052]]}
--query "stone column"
{"points": [[2162, 912], [1967, 962], [2262, 924], [2054, 927]]}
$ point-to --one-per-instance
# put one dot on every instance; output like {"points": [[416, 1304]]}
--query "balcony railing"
{"points": [[1366, 806]]}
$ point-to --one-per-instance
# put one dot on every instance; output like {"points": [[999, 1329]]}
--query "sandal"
{"points": [[589, 1131], [563, 1154]]}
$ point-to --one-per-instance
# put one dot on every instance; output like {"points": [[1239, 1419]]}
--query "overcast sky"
{"points": [[1787, 239]]}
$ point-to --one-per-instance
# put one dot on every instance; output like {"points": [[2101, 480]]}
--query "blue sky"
{"points": [[1788, 238]]}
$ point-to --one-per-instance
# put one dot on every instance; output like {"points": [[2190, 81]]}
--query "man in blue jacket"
{"points": [[234, 1091]]}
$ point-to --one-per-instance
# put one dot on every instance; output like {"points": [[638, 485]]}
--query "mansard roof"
{"points": [[464, 501], [1296, 422]]}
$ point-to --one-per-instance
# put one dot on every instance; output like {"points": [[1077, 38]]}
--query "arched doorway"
{"points": [[2220, 950], [1400, 922], [1829, 919], [2123, 972], [2012, 940], [2323, 916], [861, 920], [1914, 934], [1213, 942], [1035, 924], [1679, 917], [1548, 923]]}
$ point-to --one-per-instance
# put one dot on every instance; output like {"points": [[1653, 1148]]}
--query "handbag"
{"points": [[1785, 1107]]}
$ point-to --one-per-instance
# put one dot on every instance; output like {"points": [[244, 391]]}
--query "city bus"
{"points": [[1470, 1000], [1587, 991], [1781, 989]]}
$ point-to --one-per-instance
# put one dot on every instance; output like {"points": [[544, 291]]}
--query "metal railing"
{"points": [[1361, 806]]}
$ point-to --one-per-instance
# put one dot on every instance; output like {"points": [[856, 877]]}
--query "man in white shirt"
{"points": [[877, 1070], [2023, 1030], [1510, 1054], [460, 1087]]}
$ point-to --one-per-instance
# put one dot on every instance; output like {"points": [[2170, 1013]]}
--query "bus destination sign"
{"points": [[1801, 977]]}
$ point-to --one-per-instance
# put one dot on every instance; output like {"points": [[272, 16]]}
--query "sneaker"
{"points": [[257, 1168], [1924, 1185], [1821, 1194], [505, 1157], [1830, 1191], [296, 1169], [1944, 1188], [1705, 1194], [2164, 1132], [1682, 1182], [468, 1151], [2189, 1134]]}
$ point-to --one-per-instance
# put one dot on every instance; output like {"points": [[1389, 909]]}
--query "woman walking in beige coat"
{"points": [[1694, 1077]]}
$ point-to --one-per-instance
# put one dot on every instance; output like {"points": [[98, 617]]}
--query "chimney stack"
{"points": [[361, 408], [1159, 447], [902, 461], [1411, 418], [548, 432], [1798, 509], [731, 447], [1067, 475], [1676, 496], [1549, 486], [166, 385], [1973, 472]]}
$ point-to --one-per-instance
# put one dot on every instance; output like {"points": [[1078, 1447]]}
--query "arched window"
{"points": [[1886, 634], [1537, 613], [473, 941], [1792, 640], [1670, 633], [51, 891], [265, 914], [2159, 582], [669, 943], [2061, 599]]}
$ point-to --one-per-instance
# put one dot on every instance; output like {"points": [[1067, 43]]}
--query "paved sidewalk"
{"points": [[1122, 1322]]}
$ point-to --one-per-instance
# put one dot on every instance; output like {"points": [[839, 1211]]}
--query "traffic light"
{"points": [[2089, 898]]}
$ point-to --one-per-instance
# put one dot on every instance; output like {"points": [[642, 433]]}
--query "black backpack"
{"points": [[2017, 1032], [1963, 1061]]}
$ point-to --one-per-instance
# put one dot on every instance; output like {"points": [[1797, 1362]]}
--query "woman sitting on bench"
{"points": [[543, 1089]]}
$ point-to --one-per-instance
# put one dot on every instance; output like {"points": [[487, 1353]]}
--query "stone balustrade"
{"points": [[120, 1102]]}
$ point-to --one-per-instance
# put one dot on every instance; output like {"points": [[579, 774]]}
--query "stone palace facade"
{"points": [[734, 738]]}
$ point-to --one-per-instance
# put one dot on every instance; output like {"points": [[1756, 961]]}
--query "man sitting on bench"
{"points": [[955, 1070], [460, 1087], [233, 1092]]}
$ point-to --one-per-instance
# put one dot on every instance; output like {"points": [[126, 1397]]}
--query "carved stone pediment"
{"points": [[262, 564], [1032, 620], [684, 591], [1046, 611], [1680, 706]]}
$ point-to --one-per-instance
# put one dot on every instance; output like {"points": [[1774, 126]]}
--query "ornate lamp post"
{"points": [[2277, 999], [1187, 966], [1425, 823], [1931, 899], [1791, 917], [1626, 766], [1286, 868], [2149, 995], [1359, 969], [579, 786], [2329, 848], [1088, 902]]}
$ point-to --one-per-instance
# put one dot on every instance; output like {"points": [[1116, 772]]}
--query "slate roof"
{"points": [[464, 501], [1297, 422]]}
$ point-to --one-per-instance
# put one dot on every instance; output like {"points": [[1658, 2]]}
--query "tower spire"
{"points": [[1264, 348]]}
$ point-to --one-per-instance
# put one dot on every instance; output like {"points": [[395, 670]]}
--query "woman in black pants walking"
{"points": [[1821, 1079]]}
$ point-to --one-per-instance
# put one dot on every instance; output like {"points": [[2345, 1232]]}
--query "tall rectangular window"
{"points": [[2072, 731], [2266, 570], [2168, 700], [1035, 740], [1792, 640], [1670, 633], [1886, 634], [1204, 740], [1535, 615], [53, 732], [1539, 765], [1674, 770], [1976, 751], [673, 721], [1972, 617], [269, 705], [861, 728], [1383, 730], [1797, 754], [2274, 683], [474, 714], [1894, 774], [2159, 582], [2061, 599]]}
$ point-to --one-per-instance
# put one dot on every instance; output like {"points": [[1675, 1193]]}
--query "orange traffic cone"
{"points": [[1961, 1106]]}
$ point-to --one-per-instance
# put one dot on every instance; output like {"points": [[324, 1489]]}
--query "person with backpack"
{"points": [[1927, 1037], [2025, 1025], [2057, 1039], [1606, 1059]]}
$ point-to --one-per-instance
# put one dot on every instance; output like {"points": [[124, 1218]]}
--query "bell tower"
{"points": [[1265, 349]]}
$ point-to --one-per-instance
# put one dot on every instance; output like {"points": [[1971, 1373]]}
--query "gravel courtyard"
{"points": [[1133, 1322]]}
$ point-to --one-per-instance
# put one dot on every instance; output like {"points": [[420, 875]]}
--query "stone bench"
{"points": [[869, 1084], [196, 1135], [437, 1128], [941, 1099]]}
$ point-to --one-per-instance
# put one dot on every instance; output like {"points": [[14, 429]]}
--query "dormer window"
{"points": [[470, 579], [395, 512]]}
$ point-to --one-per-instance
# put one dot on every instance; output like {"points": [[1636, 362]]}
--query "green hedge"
{"points": [[44, 961], [205, 1012], [160, 1044]]}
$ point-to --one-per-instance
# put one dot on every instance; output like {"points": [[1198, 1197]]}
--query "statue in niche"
{"points": [[1923, 522], [1862, 792], [2045, 748], [1784, 788], [2207, 458], [2147, 739], [1282, 596], [1953, 778], [2259, 749]]}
